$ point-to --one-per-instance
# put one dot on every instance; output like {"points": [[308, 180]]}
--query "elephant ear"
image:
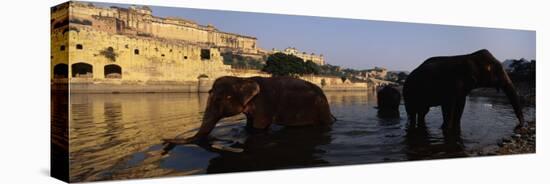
{"points": [[248, 89]]}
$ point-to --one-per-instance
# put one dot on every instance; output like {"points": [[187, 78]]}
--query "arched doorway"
{"points": [[113, 71], [60, 71], [82, 70]]}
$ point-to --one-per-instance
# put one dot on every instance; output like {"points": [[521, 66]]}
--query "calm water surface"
{"points": [[119, 136]]}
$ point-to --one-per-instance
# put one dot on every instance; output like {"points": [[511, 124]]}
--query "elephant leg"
{"points": [[411, 113], [459, 109], [412, 119], [249, 123], [450, 112], [422, 117], [446, 112]]}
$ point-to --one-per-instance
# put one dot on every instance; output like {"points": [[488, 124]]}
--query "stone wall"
{"points": [[140, 60], [335, 83], [248, 73]]}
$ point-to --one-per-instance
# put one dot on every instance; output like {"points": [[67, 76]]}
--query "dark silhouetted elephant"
{"points": [[388, 99], [446, 81], [282, 100]]}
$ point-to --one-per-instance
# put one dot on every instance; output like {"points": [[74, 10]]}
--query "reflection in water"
{"points": [[107, 128], [59, 144], [285, 148], [281, 148], [421, 144], [118, 136]]}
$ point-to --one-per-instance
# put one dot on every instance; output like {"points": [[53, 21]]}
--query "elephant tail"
{"points": [[333, 117]]}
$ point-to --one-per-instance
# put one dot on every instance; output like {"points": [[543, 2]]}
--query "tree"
{"points": [[323, 82], [401, 77], [518, 65], [343, 78], [311, 68], [523, 70], [280, 64], [330, 70]]}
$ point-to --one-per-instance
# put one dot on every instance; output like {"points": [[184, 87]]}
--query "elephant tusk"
{"points": [[227, 148]]}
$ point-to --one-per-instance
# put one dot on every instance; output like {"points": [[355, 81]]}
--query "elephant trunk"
{"points": [[513, 97], [209, 121]]}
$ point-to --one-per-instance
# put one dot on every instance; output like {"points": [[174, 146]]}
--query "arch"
{"points": [[113, 71], [82, 70], [202, 76], [60, 71]]}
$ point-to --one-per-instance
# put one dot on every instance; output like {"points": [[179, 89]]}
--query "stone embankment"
{"points": [[523, 141]]}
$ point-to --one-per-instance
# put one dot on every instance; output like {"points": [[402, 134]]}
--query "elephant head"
{"points": [[229, 96], [487, 71]]}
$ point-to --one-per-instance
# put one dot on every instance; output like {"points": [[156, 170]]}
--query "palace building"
{"points": [[117, 47], [317, 59], [114, 49]]}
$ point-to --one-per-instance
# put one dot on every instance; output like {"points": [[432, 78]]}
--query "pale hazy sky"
{"points": [[362, 44]]}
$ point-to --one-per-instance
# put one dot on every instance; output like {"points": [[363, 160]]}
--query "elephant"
{"points": [[388, 99], [285, 101], [446, 81]]}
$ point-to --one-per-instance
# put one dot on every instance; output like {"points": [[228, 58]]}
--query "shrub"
{"points": [[109, 53]]}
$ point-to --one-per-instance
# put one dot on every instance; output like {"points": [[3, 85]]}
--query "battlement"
{"points": [[139, 21]]}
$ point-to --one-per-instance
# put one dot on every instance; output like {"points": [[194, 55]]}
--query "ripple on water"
{"points": [[116, 136]]}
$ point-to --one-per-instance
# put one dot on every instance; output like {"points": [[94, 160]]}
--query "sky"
{"points": [[361, 44]]}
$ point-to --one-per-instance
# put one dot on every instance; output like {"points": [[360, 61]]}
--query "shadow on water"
{"points": [[282, 147]]}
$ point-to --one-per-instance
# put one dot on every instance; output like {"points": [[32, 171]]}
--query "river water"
{"points": [[119, 136]]}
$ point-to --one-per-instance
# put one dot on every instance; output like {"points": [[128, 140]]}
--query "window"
{"points": [[136, 51], [184, 57], [62, 48], [162, 55], [205, 54], [79, 46]]}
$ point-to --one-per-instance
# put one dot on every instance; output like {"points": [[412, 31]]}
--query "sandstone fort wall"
{"points": [[129, 50]]}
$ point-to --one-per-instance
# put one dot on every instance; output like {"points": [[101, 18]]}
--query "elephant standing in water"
{"points": [[446, 81], [282, 100], [388, 99]]}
